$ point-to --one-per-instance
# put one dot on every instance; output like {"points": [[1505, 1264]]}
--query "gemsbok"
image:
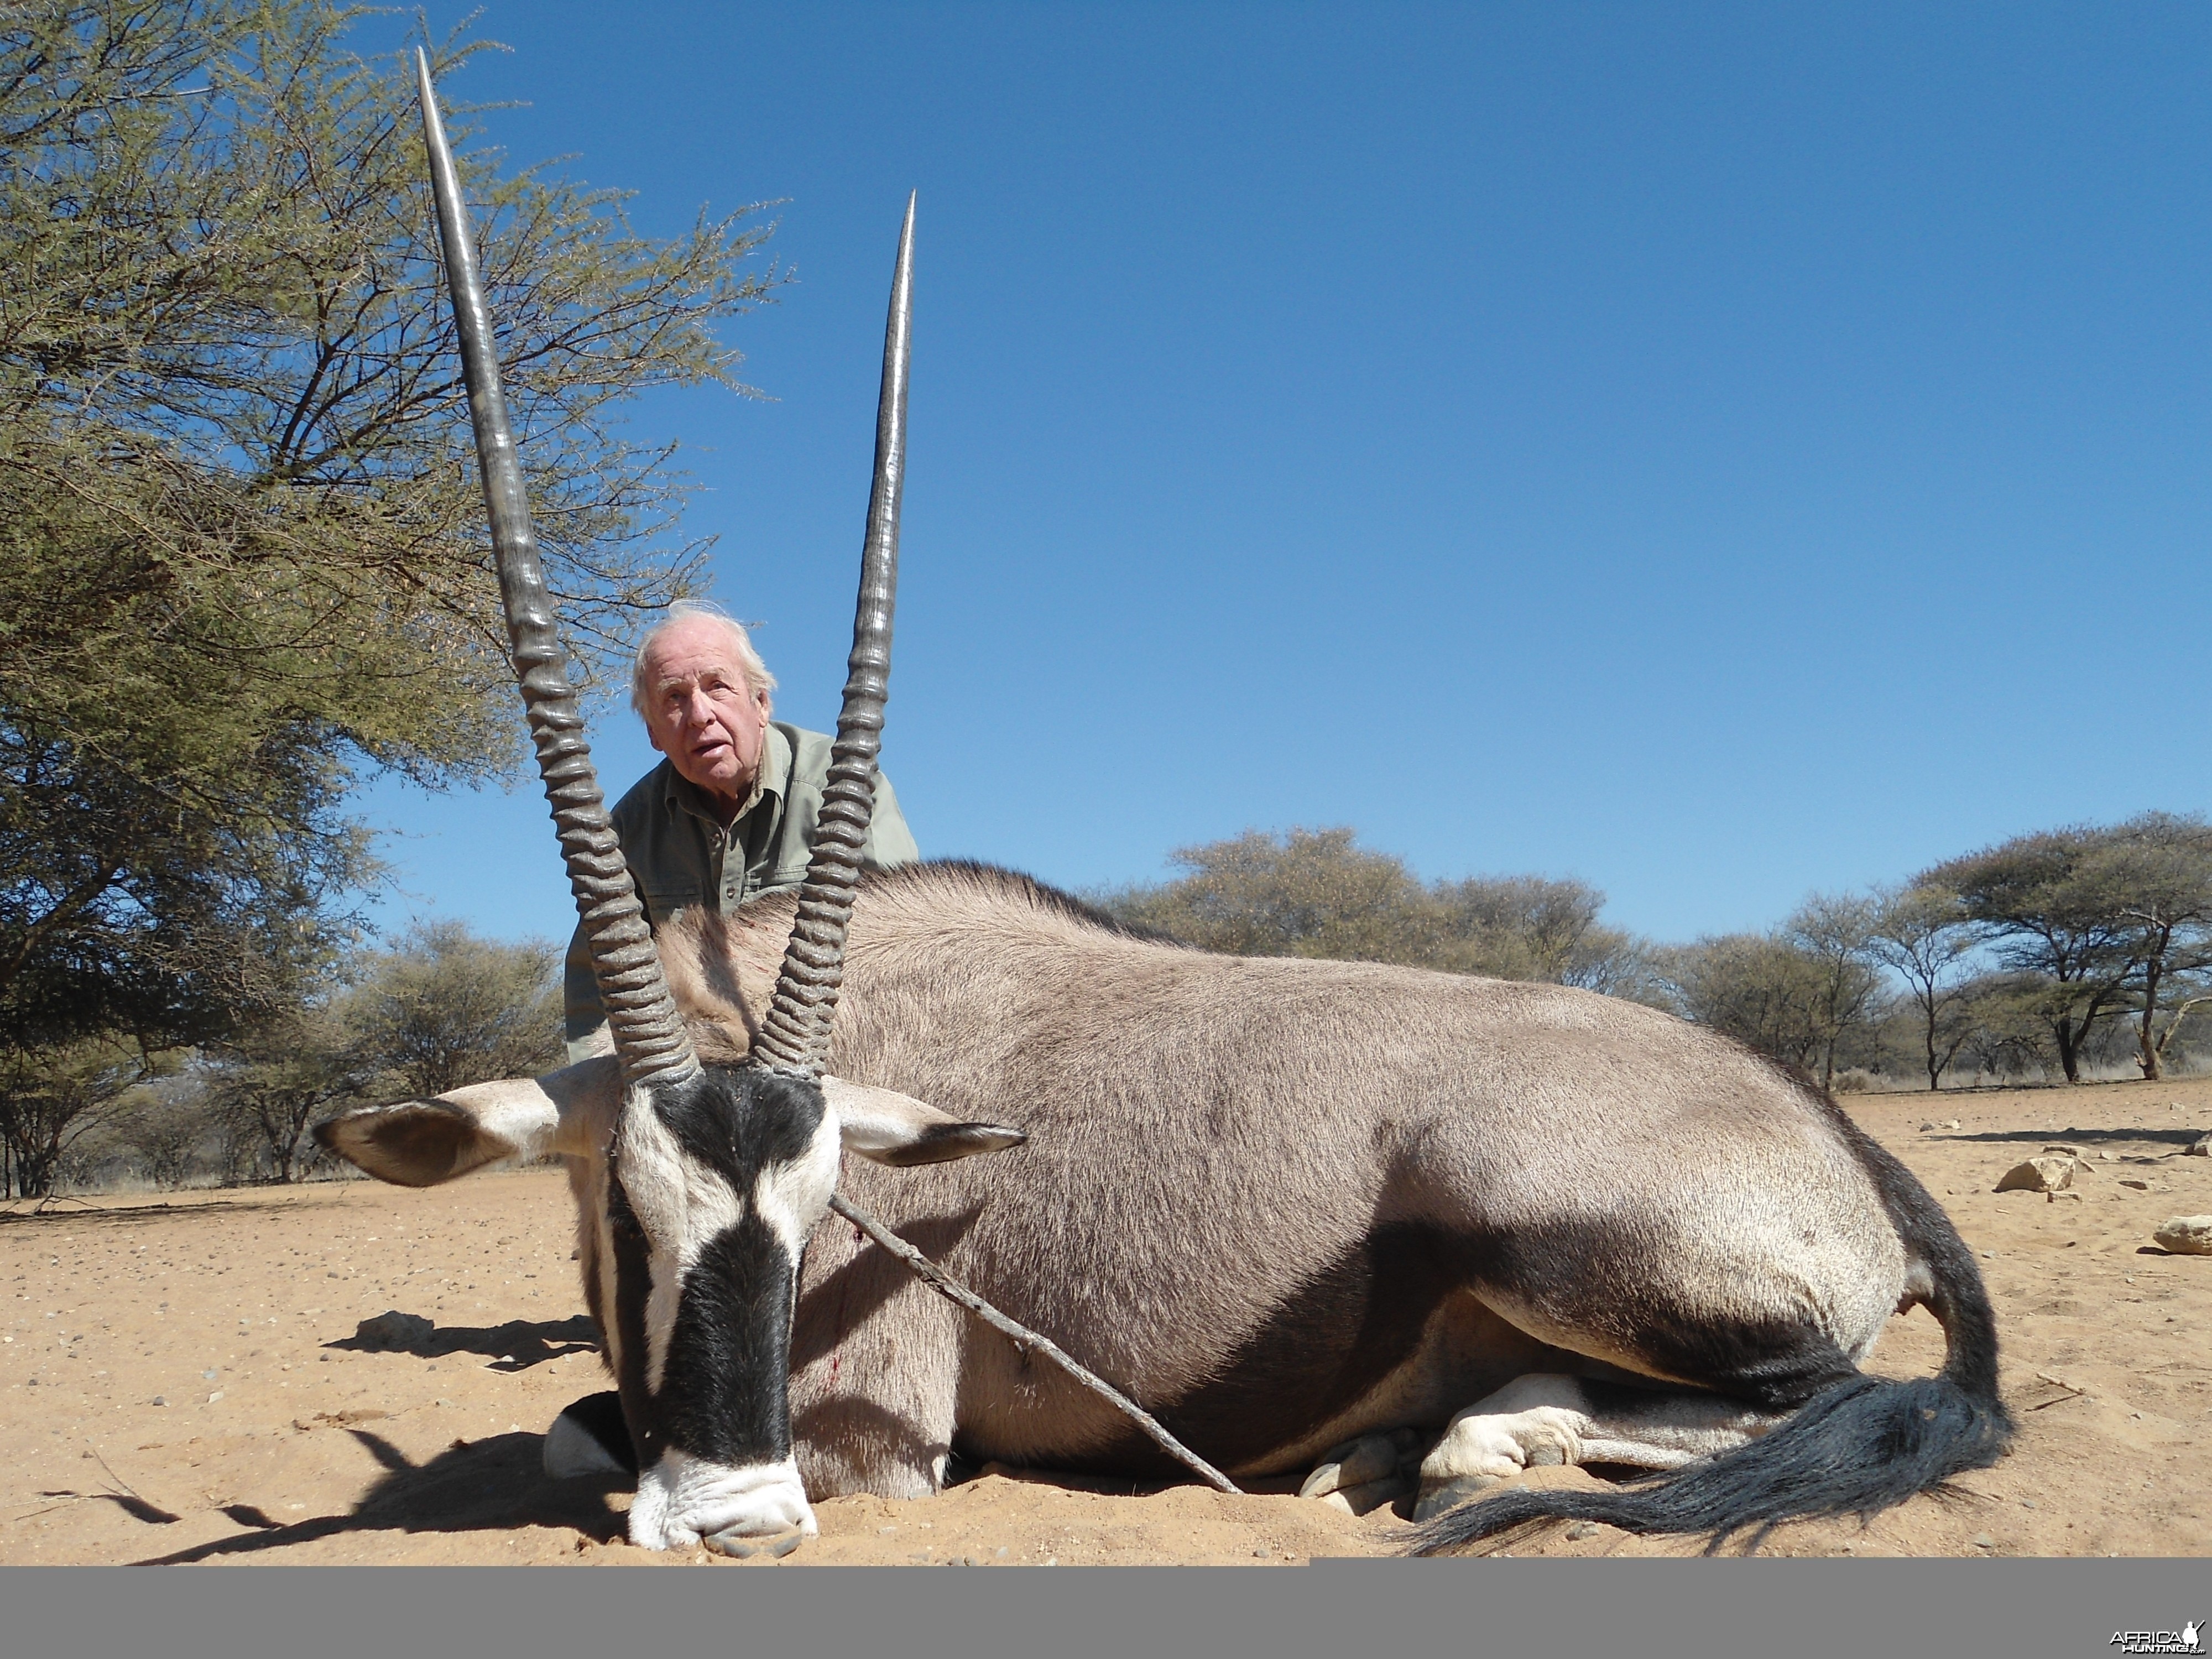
{"points": [[1284, 1203]]}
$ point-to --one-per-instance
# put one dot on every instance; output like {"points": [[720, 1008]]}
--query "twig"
{"points": [[2073, 1391], [67, 1499], [952, 1289], [127, 1487], [68, 1198], [70, 1497]]}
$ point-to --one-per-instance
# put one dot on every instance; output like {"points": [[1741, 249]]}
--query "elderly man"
{"points": [[731, 811]]}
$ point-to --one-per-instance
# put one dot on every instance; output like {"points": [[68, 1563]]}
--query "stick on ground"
{"points": [[951, 1289]]}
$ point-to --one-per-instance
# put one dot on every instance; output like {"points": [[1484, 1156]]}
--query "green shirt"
{"points": [[679, 854]]}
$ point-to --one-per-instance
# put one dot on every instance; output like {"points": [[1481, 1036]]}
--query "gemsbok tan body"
{"points": [[1288, 1203]]}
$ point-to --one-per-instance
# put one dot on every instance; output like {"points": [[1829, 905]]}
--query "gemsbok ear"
{"points": [[423, 1143], [899, 1130], [418, 1143]]}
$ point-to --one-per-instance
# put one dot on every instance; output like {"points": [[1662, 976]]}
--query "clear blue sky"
{"points": [[1715, 452]]}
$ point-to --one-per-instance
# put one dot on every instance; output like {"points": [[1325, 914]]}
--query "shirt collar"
{"points": [[772, 778]]}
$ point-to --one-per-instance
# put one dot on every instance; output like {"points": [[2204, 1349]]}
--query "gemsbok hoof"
{"points": [[743, 1549], [1355, 1463]]}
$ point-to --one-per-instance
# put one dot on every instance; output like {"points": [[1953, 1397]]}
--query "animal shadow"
{"points": [[496, 1484], [2180, 1137], [515, 1346], [84, 1214], [129, 1502]]}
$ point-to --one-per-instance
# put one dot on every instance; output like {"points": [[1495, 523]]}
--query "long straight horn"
{"points": [[649, 1036], [795, 1035]]}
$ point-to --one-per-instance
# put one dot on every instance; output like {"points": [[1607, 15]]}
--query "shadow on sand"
{"points": [[494, 1484], [2170, 1141], [514, 1347], [91, 1213]]}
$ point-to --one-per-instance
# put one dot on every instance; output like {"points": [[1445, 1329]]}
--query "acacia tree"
{"points": [[51, 1099], [1535, 927], [1922, 934], [169, 1126], [2049, 906], [276, 1079], [1795, 994], [2006, 1019], [440, 1010], [1762, 989], [448, 1009], [2157, 871], [1834, 932], [242, 555], [1317, 893], [1309, 893]]}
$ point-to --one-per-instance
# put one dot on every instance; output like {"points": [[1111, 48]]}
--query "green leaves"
{"points": [[224, 340], [241, 553]]}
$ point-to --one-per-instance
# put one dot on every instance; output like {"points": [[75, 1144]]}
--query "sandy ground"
{"points": [[180, 1381]]}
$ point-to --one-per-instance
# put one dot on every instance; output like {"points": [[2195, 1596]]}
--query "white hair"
{"points": [[758, 680]]}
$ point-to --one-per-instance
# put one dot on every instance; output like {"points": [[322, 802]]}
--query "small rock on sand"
{"points": [[2202, 1147], [2186, 1234], [2047, 1174]]}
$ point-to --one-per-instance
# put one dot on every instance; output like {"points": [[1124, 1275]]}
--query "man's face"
{"points": [[699, 713]]}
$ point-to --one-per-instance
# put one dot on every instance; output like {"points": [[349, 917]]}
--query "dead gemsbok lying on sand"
{"points": [[1284, 1203]]}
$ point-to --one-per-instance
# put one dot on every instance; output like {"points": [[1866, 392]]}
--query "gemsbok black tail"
{"points": [[1861, 1446]]}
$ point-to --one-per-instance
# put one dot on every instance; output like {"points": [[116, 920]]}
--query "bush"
{"points": [[1315, 893]]}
